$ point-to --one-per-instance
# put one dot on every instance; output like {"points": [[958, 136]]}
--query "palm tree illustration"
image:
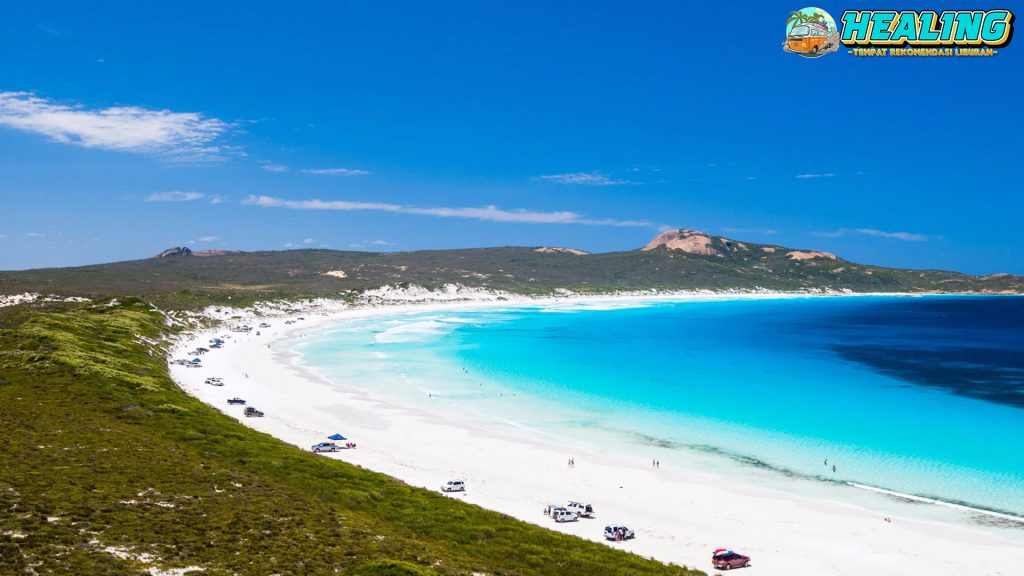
{"points": [[796, 19]]}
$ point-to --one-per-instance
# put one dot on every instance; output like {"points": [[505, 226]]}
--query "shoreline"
{"points": [[680, 514]]}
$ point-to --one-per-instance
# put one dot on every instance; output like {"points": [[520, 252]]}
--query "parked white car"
{"points": [[563, 515], [580, 509], [453, 486], [617, 532]]}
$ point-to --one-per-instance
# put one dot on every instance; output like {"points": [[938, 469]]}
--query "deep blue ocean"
{"points": [[923, 396]]}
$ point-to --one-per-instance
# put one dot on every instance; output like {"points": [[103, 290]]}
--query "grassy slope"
{"points": [[98, 436], [187, 281]]}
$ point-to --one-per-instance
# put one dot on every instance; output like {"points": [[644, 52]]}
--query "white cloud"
{"points": [[587, 178], [822, 175], [209, 238], [35, 234], [488, 213], [308, 241], [275, 168], [905, 236], [216, 200], [381, 243], [174, 196], [187, 135], [336, 171]]}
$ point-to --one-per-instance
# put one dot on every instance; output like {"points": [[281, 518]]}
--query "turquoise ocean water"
{"points": [[922, 396]]}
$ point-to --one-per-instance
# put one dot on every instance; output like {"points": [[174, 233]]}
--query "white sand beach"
{"points": [[680, 513]]}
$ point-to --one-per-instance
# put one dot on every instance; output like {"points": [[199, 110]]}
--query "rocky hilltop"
{"points": [[696, 242]]}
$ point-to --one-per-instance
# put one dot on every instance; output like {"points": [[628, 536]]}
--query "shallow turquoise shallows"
{"points": [[923, 396]]}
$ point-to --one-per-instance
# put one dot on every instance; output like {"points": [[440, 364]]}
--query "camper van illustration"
{"points": [[811, 32]]}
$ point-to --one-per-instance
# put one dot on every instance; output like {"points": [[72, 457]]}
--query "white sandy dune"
{"points": [[680, 513]]}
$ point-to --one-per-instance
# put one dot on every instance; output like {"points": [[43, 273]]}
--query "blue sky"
{"points": [[126, 128]]}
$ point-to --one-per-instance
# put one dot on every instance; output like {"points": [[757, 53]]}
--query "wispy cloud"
{"points": [[585, 178], [209, 238], [488, 213], [185, 135], [174, 196], [905, 236], [366, 243], [336, 171], [822, 175], [275, 168], [35, 234], [305, 243]]}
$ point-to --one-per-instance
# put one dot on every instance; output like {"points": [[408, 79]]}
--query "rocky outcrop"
{"points": [[689, 241], [178, 251], [809, 255], [559, 250], [186, 251]]}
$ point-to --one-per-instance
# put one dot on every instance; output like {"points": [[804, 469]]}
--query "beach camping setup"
{"points": [[338, 437]]}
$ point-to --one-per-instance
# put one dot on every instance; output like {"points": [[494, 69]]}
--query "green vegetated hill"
{"points": [[676, 259], [107, 467]]}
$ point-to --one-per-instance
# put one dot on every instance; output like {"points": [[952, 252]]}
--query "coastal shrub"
{"points": [[393, 568]]}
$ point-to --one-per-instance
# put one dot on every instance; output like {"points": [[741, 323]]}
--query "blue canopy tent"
{"points": [[336, 437]]}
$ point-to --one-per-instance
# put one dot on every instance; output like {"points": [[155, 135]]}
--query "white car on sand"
{"points": [[580, 509], [618, 532], [563, 515], [453, 486]]}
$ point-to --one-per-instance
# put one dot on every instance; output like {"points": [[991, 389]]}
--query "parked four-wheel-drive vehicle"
{"points": [[325, 447], [724, 559], [250, 412], [453, 486], [617, 532], [236, 401], [580, 509], [563, 515]]}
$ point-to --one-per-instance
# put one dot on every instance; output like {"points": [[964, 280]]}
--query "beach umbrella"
{"points": [[336, 437]]}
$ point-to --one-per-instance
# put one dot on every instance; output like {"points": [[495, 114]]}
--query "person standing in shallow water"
{"points": [[833, 468]]}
